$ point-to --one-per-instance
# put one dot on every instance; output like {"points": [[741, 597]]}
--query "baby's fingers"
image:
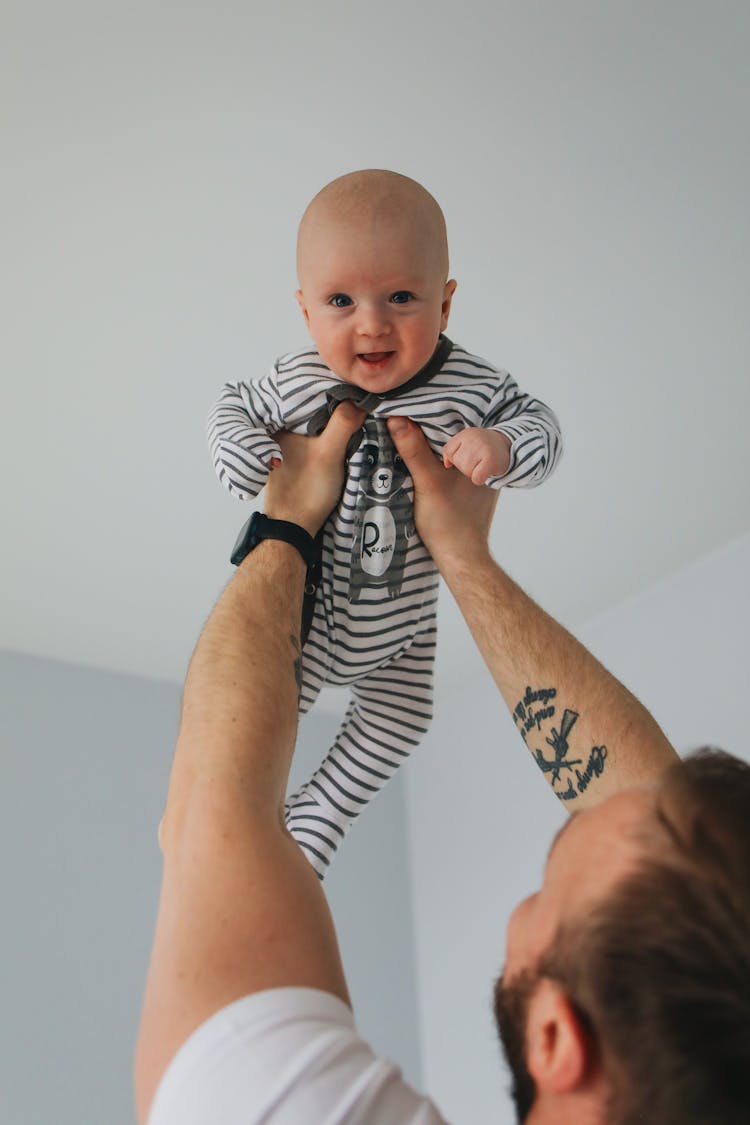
{"points": [[479, 473], [450, 449]]}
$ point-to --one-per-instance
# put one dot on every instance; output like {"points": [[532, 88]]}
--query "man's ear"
{"points": [[558, 1051], [301, 302], [448, 291]]}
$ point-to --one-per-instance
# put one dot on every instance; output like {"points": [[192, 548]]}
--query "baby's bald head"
{"points": [[375, 204], [372, 259]]}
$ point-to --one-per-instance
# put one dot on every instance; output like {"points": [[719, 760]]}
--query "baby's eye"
{"points": [[340, 300], [402, 297]]}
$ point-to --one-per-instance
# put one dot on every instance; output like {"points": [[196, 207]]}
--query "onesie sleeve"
{"points": [[534, 432], [241, 426]]}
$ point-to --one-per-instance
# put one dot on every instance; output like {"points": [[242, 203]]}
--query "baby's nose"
{"points": [[373, 321]]}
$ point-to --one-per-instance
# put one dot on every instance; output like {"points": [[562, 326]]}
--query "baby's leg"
{"points": [[389, 714]]}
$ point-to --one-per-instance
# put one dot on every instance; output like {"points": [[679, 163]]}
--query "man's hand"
{"points": [[478, 454], [452, 515], [306, 486]]}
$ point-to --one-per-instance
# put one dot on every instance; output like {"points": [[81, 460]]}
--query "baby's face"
{"points": [[375, 299]]}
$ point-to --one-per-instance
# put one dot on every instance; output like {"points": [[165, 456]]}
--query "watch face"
{"points": [[247, 539]]}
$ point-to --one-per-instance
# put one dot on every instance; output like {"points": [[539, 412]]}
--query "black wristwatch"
{"points": [[260, 527]]}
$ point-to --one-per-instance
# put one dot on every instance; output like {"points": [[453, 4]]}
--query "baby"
{"points": [[372, 261]]}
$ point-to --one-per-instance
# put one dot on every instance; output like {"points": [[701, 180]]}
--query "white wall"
{"points": [[481, 818], [683, 647], [592, 159], [85, 757]]}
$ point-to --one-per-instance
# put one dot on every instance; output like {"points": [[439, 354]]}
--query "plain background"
{"points": [[593, 162]]}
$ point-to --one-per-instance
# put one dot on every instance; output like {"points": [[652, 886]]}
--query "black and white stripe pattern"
{"points": [[383, 649], [389, 713], [467, 391]]}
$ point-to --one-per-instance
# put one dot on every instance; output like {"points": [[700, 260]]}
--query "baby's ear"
{"points": [[301, 302], [448, 291]]}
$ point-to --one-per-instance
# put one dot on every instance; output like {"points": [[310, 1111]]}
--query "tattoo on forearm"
{"points": [[534, 712], [297, 663], [594, 767], [527, 715]]}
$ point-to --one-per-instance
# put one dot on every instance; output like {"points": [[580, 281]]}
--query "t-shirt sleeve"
{"points": [[288, 1056]]}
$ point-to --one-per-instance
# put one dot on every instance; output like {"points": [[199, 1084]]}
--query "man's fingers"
{"points": [[345, 420], [332, 441], [413, 448]]}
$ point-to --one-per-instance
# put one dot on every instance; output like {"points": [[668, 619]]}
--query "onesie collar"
{"points": [[368, 400]]}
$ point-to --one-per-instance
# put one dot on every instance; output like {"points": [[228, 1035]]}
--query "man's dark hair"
{"points": [[660, 972]]}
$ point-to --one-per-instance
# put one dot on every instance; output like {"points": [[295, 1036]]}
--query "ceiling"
{"points": [[593, 163]]}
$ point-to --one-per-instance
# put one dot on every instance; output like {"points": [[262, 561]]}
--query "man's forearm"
{"points": [[586, 732], [240, 704]]}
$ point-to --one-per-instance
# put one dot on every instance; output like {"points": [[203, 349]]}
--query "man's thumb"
{"points": [[345, 420], [413, 448]]}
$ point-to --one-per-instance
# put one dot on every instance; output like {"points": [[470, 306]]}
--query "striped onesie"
{"points": [[373, 625]]}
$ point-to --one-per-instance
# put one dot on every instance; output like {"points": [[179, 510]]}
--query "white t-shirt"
{"points": [[288, 1056]]}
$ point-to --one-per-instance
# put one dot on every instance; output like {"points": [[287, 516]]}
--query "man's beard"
{"points": [[511, 1009]]}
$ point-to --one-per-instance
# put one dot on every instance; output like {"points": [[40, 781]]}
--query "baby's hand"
{"points": [[478, 454]]}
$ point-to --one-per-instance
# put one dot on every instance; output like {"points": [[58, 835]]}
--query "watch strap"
{"points": [[260, 527]]}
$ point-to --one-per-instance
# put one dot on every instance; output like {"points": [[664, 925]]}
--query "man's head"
{"points": [[372, 263], [627, 984]]}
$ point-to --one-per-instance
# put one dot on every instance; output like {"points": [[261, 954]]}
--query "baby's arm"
{"points": [[519, 442], [241, 429]]}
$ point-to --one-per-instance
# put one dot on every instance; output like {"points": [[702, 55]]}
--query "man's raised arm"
{"points": [[586, 732], [241, 909]]}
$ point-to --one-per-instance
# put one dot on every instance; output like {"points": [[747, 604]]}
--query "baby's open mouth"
{"points": [[375, 357]]}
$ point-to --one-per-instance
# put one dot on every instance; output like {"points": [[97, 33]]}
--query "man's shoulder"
{"points": [[294, 1048]]}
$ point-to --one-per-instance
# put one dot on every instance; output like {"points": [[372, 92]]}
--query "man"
{"points": [[626, 993]]}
